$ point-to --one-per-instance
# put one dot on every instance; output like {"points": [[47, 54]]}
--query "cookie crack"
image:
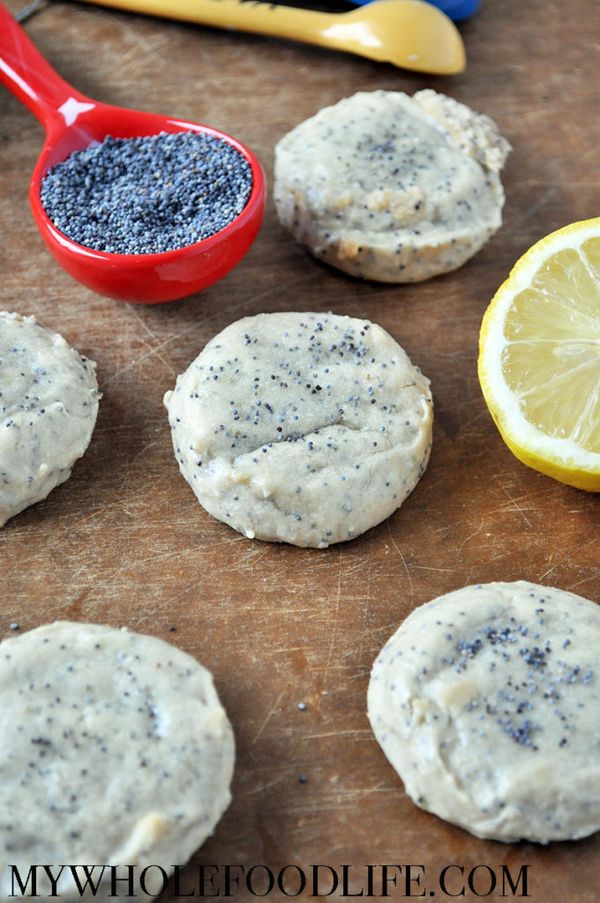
{"points": [[298, 437]]}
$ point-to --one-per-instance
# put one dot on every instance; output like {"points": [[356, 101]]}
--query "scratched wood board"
{"points": [[124, 541]]}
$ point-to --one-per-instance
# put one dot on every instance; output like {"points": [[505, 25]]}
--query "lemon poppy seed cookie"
{"points": [[301, 428], [48, 408], [114, 749], [486, 701], [391, 187]]}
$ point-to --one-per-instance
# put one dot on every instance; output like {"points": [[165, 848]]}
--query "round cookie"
{"points": [[301, 428], [392, 188], [114, 749], [48, 407], [486, 701]]}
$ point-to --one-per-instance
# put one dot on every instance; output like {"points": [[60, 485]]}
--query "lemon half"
{"points": [[539, 356]]}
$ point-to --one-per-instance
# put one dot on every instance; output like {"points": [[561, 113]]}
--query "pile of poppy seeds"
{"points": [[147, 195]]}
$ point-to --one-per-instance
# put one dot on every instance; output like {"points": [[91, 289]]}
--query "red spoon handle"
{"points": [[31, 79]]}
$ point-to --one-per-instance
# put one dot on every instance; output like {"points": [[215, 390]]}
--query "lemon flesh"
{"points": [[539, 361]]}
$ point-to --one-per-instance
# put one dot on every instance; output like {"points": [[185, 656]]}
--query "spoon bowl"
{"points": [[73, 122]]}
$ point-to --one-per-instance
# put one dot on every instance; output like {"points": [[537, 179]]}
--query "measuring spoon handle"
{"points": [[261, 17], [31, 78]]}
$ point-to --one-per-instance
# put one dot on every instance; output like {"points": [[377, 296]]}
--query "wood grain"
{"points": [[125, 542]]}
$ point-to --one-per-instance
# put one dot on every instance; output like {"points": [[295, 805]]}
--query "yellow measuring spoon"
{"points": [[407, 33]]}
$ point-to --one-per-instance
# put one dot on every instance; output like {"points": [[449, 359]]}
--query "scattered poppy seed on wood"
{"points": [[147, 195]]}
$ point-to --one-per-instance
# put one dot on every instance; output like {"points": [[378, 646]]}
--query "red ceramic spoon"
{"points": [[72, 121]]}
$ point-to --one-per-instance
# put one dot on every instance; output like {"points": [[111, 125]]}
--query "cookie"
{"points": [[486, 701], [301, 428], [114, 749], [48, 407], [390, 187]]}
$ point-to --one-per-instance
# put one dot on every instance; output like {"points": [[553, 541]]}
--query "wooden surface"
{"points": [[125, 542]]}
